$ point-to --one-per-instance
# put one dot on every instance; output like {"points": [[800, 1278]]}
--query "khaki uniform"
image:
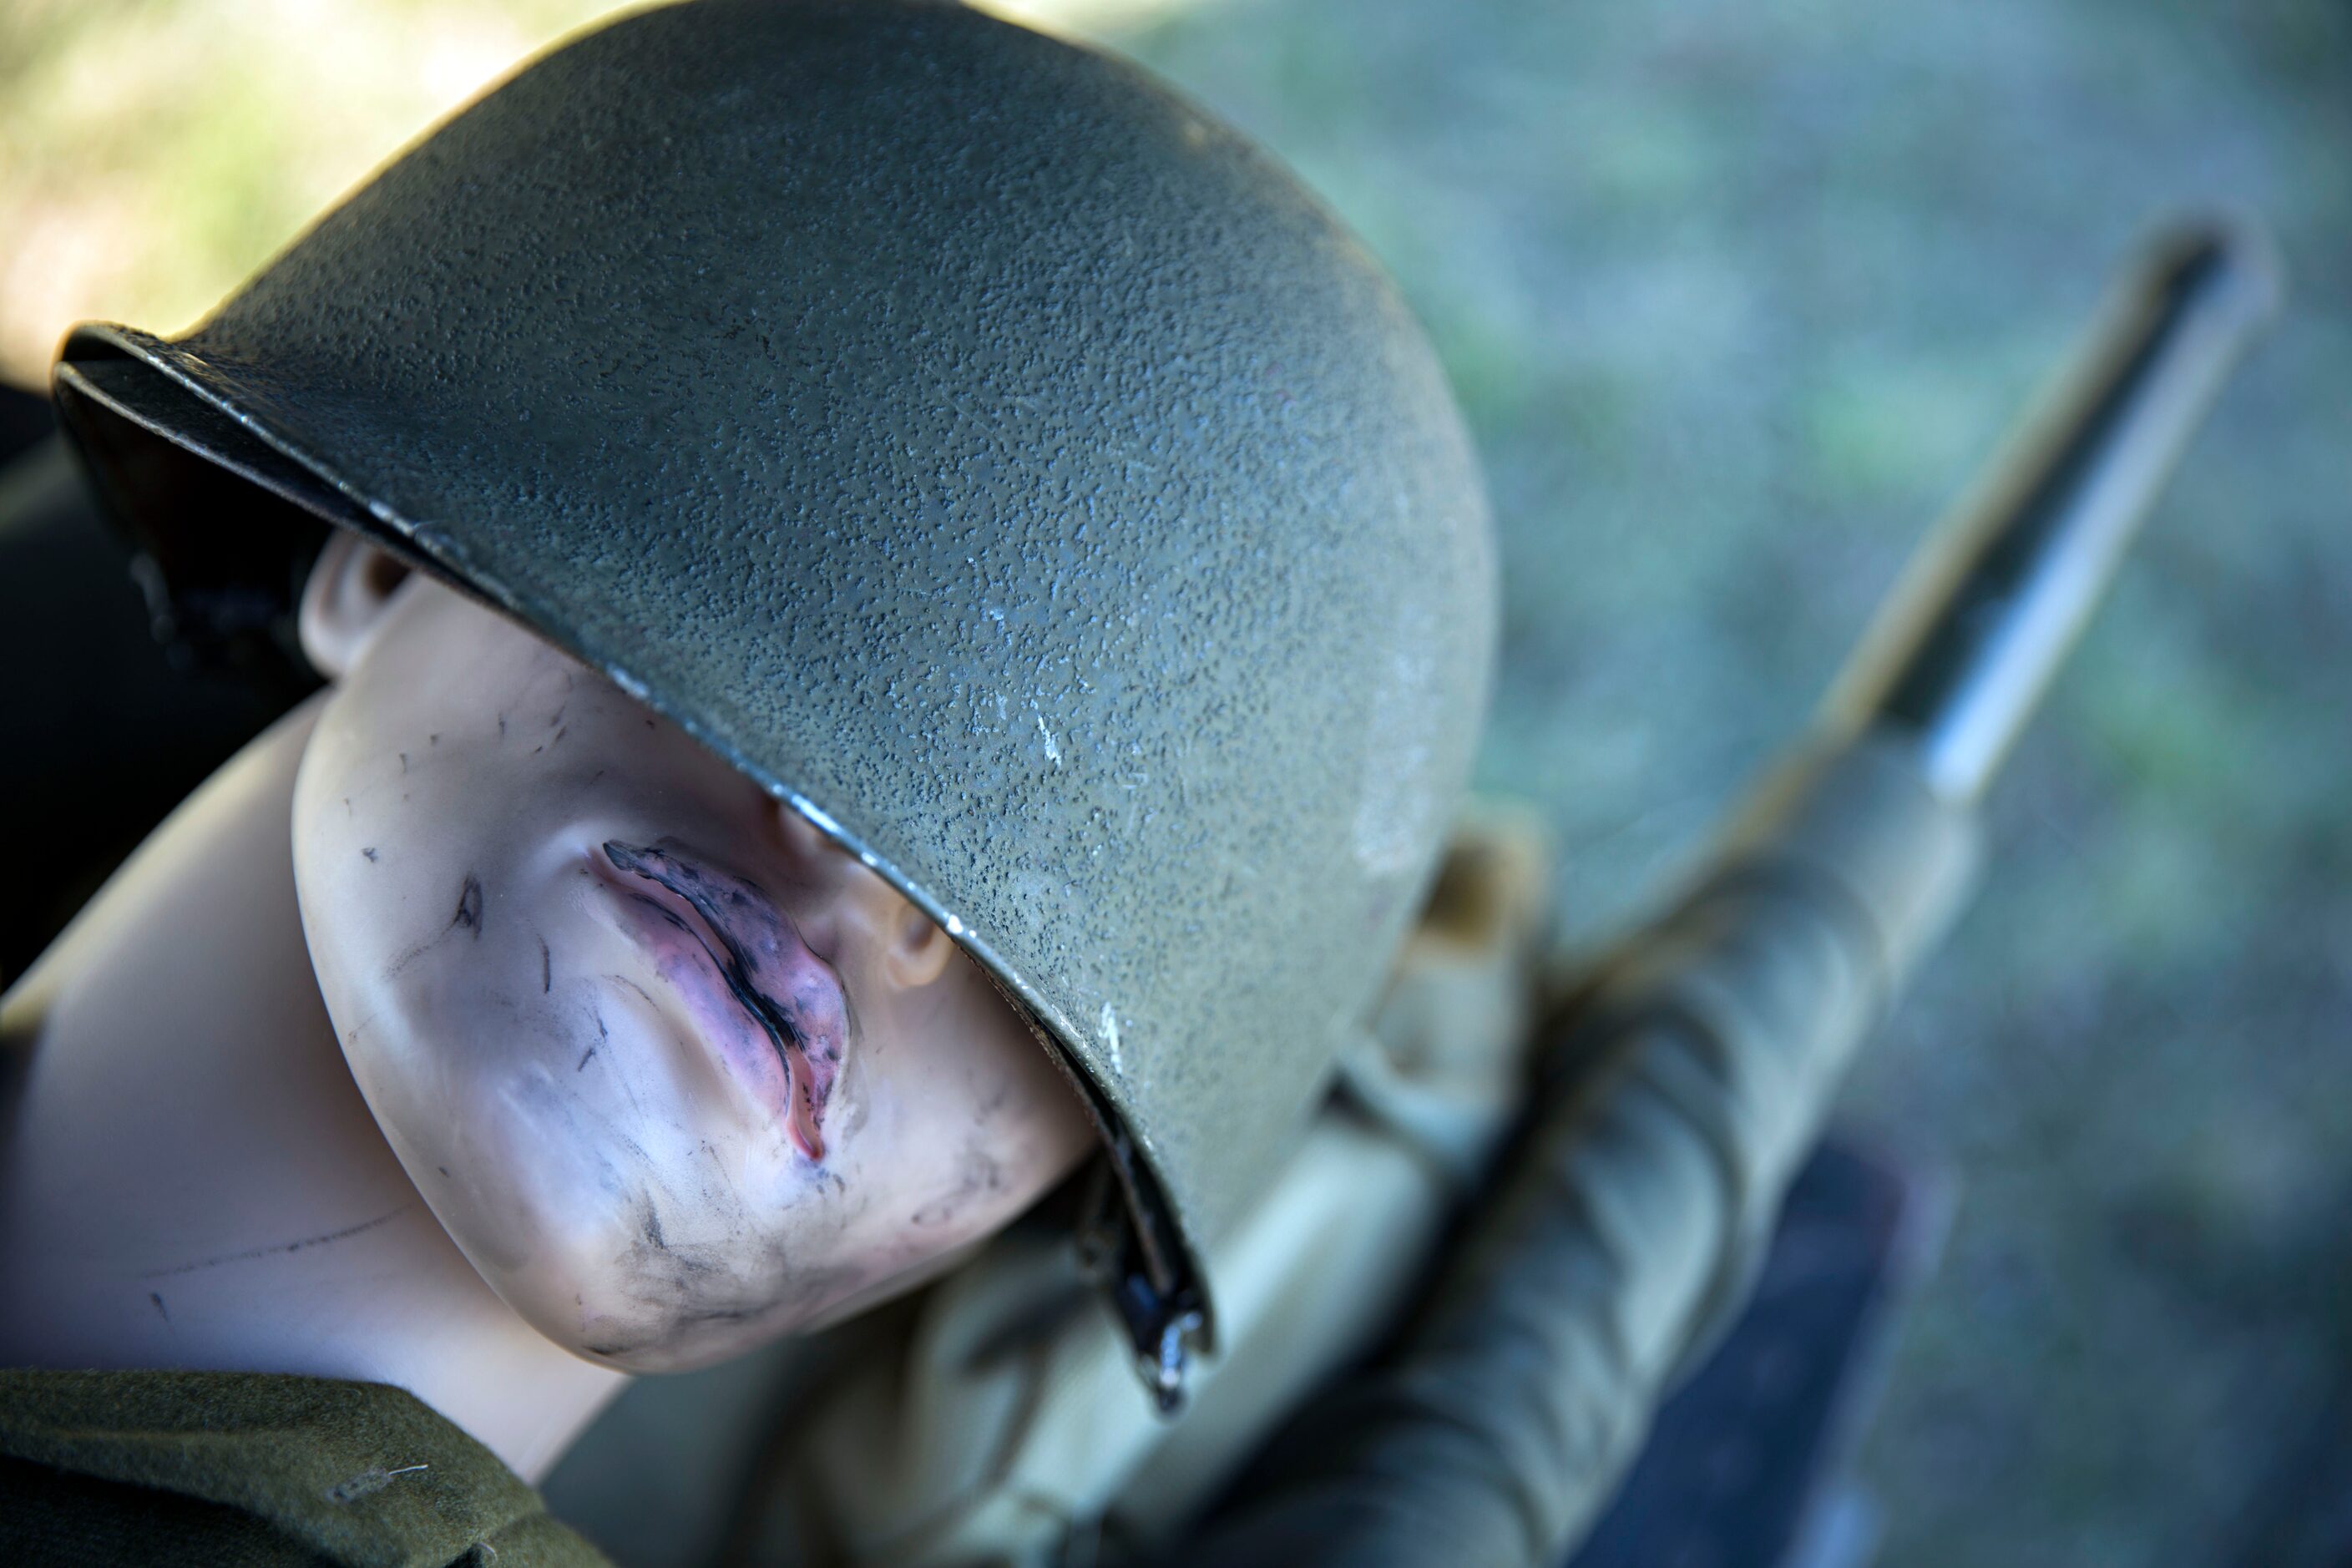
{"points": [[997, 1417]]}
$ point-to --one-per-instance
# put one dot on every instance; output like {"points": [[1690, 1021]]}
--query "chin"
{"points": [[638, 1326], [646, 1286]]}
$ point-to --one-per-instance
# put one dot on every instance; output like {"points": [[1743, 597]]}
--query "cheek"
{"points": [[964, 1139]]}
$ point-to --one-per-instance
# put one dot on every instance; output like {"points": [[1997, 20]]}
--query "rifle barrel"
{"points": [[1990, 607]]}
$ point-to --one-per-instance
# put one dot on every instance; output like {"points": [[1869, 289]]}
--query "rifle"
{"points": [[1682, 1078]]}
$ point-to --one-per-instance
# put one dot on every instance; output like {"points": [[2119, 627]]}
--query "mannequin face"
{"points": [[675, 1072]]}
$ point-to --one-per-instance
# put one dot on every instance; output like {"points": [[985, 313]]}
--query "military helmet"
{"points": [[986, 451]]}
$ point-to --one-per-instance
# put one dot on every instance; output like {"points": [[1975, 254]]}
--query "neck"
{"points": [[188, 1175]]}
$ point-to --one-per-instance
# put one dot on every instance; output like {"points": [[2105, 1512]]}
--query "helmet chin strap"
{"points": [[1126, 1241], [1163, 1315]]}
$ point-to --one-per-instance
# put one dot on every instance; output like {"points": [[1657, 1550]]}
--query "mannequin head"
{"points": [[1080, 527], [675, 1073]]}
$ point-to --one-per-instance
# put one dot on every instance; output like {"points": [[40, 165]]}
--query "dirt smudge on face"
{"points": [[683, 1302], [469, 907], [978, 1177]]}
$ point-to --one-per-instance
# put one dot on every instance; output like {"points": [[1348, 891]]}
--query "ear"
{"points": [[343, 603], [916, 950]]}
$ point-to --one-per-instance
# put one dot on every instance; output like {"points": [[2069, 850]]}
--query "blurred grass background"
{"points": [[1737, 296]]}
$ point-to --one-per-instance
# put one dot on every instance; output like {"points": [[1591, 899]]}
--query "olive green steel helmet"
{"points": [[979, 447]]}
